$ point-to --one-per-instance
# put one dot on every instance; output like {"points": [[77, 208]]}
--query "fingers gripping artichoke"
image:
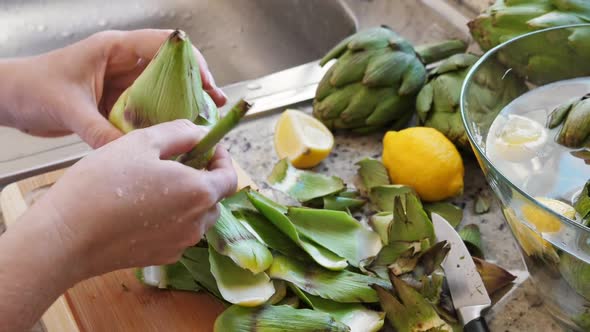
{"points": [[507, 19], [437, 104], [375, 80]]}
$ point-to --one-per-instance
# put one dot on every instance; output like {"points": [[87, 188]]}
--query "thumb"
{"points": [[174, 138], [92, 127]]}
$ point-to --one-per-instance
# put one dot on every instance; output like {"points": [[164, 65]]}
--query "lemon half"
{"points": [[302, 139]]}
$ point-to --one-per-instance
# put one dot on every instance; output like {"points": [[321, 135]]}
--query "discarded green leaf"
{"points": [[276, 318], [196, 260], [337, 231], [230, 238], [354, 315], [276, 213], [482, 203], [372, 173], [237, 285], [340, 286], [268, 233], [383, 196], [303, 185], [471, 235], [452, 213], [407, 310], [410, 221]]}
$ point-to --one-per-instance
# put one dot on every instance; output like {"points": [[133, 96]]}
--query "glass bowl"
{"points": [[556, 249]]}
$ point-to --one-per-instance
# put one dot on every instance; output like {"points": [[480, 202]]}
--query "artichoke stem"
{"points": [[430, 53], [199, 156]]}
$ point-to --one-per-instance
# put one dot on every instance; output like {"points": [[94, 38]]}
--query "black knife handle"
{"points": [[477, 325]]}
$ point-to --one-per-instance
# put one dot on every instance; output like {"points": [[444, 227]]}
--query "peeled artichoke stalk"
{"points": [[574, 118], [375, 79], [437, 103], [531, 58], [276, 319]]}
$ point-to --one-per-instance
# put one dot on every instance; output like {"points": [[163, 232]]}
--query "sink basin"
{"points": [[242, 40]]}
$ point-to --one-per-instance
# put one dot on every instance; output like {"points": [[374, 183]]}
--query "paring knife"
{"points": [[468, 292]]}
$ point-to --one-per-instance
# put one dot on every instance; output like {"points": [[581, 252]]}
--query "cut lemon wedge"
{"points": [[302, 139]]}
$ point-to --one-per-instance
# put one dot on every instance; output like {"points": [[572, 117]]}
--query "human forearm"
{"points": [[35, 269]]}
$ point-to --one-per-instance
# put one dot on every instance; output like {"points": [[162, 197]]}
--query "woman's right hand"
{"points": [[126, 205]]}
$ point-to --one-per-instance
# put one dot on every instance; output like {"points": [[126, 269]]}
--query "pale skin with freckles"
{"points": [[108, 211]]}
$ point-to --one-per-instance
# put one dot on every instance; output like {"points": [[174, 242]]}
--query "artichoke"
{"points": [[575, 116], [532, 58], [437, 103], [374, 82]]}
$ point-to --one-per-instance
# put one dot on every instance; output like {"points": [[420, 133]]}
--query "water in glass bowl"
{"points": [[520, 145]]}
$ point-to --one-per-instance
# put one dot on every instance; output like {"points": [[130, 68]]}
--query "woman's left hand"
{"points": [[72, 89]]}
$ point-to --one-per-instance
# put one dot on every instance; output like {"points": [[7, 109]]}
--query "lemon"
{"points": [[302, 139], [543, 220], [424, 159], [517, 138]]}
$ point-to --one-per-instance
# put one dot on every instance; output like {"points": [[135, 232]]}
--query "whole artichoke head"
{"points": [[492, 88], [545, 58], [374, 82]]}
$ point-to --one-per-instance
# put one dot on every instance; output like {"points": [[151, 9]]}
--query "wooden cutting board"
{"points": [[115, 301]]}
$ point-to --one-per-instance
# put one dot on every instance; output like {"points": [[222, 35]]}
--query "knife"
{"points": [[468, 292]]}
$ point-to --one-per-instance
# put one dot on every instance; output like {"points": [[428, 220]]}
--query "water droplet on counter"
{"points": [[119, 192], [67, 34], [141, 214], [133, 241], [253, 86], [172, 13], [146, 224], [142, 197], [165, 192], [156, 225], [179, 220], [187, 16], [41, 27], [102, 22]]}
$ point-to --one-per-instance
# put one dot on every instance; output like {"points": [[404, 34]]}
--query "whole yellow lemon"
{"points": [[426, 160]]}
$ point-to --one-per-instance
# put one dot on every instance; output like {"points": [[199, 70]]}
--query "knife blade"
{"points": [[467, 289], [280, 89]]}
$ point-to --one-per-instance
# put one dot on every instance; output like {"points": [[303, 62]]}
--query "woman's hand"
{"points": [[72, 90], [125, 205]]}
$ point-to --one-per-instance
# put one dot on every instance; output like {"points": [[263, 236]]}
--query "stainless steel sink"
{"points": [[242, 40]]}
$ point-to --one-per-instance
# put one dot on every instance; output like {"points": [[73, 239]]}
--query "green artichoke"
{"points": [[575, 116], [437, 103], [534, 58], [375, 80]]}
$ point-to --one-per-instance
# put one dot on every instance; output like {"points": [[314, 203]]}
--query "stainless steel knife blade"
{"points": [[467, 288]]}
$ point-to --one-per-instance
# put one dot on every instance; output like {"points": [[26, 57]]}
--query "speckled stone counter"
{"points": [[519, 309]]}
